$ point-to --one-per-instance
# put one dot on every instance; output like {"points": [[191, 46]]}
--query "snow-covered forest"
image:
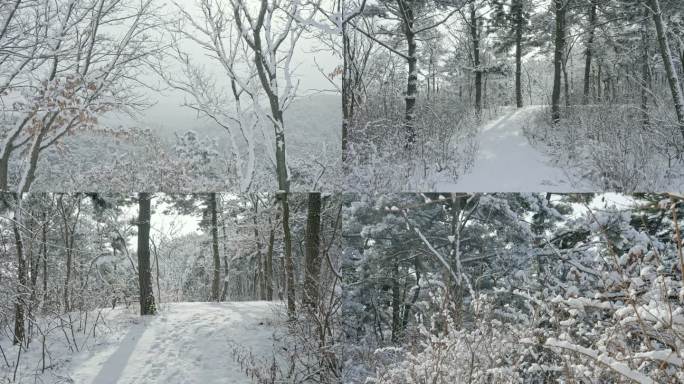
{"points": [[341, 191], [113, 95], [513, 95], [169, 288], [513, 288]]}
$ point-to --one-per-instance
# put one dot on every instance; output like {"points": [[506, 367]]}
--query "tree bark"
{"points": [[558, 59], [412, 83], [589, 52], [669, 65], [69, 261], [396, 305], [147, 306], [268, 273], [476, 60], [566, 83], [289, 261], [45, 264], [69, 232], [312, 258], [8, 148], [519, 24], [20, 303], [259, 275], [216, 281], [224, 294]]}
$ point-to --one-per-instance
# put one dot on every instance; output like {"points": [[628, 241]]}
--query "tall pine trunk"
{"points": [[518, 52], [20, 303], [476, 60], [268, 268], [312, 257], [216, 281], [589, 52], [666, 54], [147, 306], [412, 81], [289, 261], [558, 59]]}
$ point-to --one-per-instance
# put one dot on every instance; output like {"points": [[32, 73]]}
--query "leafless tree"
{"points": [[57, 77]]}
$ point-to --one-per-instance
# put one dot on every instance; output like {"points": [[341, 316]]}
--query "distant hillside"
{"points": [[313, 134]]}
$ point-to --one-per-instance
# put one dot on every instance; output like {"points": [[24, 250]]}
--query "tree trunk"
{"points": [[645, 71], [566, 83], [33, 259], [45, 264], [216, 281], [669, 65], [69, 260], [257, 241], [599, 82], [412, 83], [4, 167], [69, 232], [224, 294], [589, 52], [519, 24], [289, 261], [8, 148], [476, 60], [416, 293], [396, 305], [312, 258], [268, 268], [347, 98], [147, 306], [20, 304], [268, 82], [558, 60]]}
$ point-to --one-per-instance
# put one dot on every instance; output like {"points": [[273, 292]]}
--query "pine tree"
{"points": [[216, 281], [312, 257], [147, 305]]}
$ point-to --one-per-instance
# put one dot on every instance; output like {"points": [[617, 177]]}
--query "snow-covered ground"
{"points": [[184, 343], [507, 162]]}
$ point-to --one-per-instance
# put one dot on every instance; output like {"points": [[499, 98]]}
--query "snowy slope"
{"points": [[185, 343], [506, 162]]}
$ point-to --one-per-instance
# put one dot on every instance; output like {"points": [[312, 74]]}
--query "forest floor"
{"points": [[183, 343], [507, 162]]}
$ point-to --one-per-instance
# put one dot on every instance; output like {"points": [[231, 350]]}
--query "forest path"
{"points": [[507, 162], [185, 343]]}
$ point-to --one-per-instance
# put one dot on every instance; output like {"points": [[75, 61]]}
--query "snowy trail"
{"points": [[184, 343], [506, 162]]}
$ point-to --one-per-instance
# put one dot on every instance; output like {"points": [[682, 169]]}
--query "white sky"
{"points": [[163, 224]]}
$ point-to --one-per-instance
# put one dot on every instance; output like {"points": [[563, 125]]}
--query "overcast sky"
{"points": [[169, 114]]}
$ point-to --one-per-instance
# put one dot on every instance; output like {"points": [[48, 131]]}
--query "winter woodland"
{"points": [[513, 288], [113, 95], [341, 191], [156, 288], [474, 95]]}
